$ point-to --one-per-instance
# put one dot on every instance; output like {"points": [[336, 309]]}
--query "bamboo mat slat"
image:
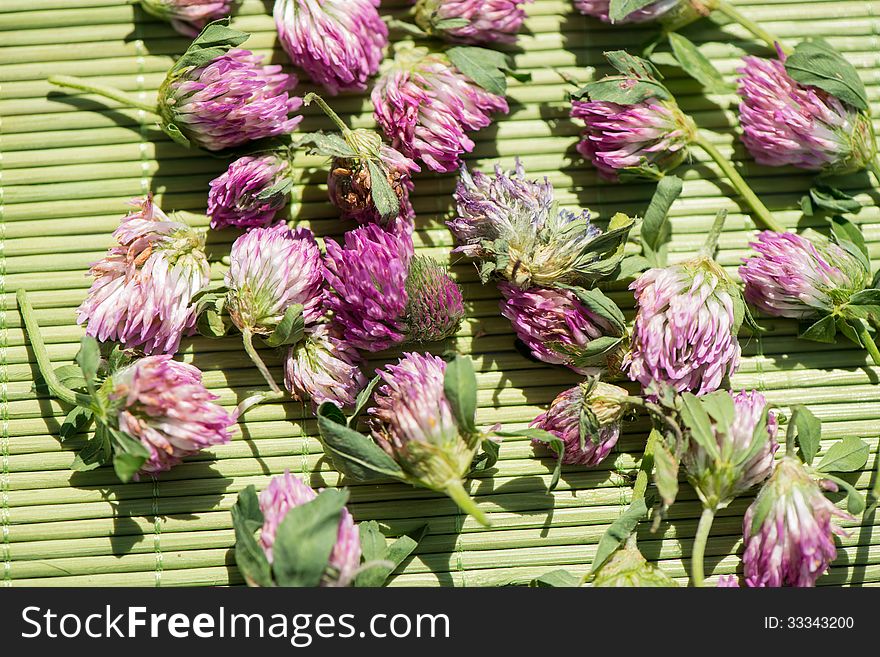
{"points": [[68, 164]]}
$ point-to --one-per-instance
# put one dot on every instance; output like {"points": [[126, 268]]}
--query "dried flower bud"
{"points": [[143, 288]]}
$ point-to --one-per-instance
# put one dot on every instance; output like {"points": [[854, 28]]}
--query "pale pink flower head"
{"points": [[143, 288], [605, 404], [786, 123], [426, 106], [250, 193], [338, 43], [231, 100], [164, 405], [272, 269], [685, 332], [324, 367], [189, 16], [286, 492], [471, 21], [788, 530]]}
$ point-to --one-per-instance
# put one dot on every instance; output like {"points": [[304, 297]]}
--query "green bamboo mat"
{"points": [[69, 164]]}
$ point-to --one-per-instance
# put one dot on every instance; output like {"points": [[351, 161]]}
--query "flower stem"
{"points": [[248, 339], [101, 90], [741, 186], [710, 248], [460, 496], [646, 467], [309, 97], [248, 403], [62, 392], [699, 551], [867, 341], [733, 14]]}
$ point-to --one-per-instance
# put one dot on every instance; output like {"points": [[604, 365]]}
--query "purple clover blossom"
{"points": [[645, 139], [651, 12], [324, 367], [487, 21], [163, 404], [143, 288], [788, 532], [286, 492], [792, 276], [367, 280], [230, 101], [425, 106], [786, 123], [435, 308], [188, 17], [684, 333], [350, 188], [272, 269], [719, 480], [554, 325], [727, 582], [238, 197], [563, 418], [338, 43]]}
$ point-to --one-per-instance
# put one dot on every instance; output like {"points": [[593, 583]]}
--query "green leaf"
{"points": [[719, 405], [362, 400], [809, 432], [118, 359], [75, 422], [280, 188], [290, 329], [599, 303], [305, 538], [353, 453], [846, 231], [328, 144], [631, 65], [595, 352], [485, 67], [393, 555], [215, 39], [761, 507], [620, 9], [460, 388], [247, 518], [825, 330], [831, 199], [487, 458], [655, 231], [176, 134], [125, 443], [212, 320], [553, 442], [95, 453], [386, 201], [697, 420], [622, 90], [450, 23], [846, 455], [126, 465], [855, 501], [695, 64], [556, 579], [71, 376], [815, 63], [665, 473], [618, 532], [89, 359], [631, 266]]}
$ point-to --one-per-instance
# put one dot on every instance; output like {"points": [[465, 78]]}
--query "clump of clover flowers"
{"points": [[824, 282], [290, 535], [471, 21], [369, 181], [215, 96], [148, 414], [381, 295], [423, 429], [338, 43], [809, 110], [635, 129], [426, 102], [670, 14], [545, 259], [788, 529], [189, 17], [143, 290]]}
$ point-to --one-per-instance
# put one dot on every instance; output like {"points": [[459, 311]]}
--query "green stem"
{"points": [[699, 550], [861, 330], [741, 186], [460, 496], [710, 248], [646, 467], [874, 166], [108, 92], [248, 403], [733, 14], [44, 363], [248, 339], [309, 97]]}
